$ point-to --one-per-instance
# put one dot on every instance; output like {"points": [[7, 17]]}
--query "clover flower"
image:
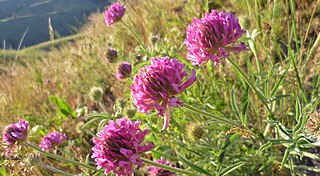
{"points": [[15, 133], [114, 13], [157, 86], [157, 171], [118, 146], [51, 140], [124, 70], [213, 38], [112, 55], [313, 124]]}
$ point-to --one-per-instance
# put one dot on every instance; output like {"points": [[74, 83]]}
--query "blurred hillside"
{"points": [[20, 15]]}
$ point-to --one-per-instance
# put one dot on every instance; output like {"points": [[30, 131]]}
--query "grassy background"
{"points": [[283, 37]]}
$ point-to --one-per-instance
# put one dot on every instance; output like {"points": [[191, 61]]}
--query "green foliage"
{"points": [[63, 106]]}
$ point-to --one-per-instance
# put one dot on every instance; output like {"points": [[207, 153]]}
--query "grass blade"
{"points": [[193, 166], [231, 168]]}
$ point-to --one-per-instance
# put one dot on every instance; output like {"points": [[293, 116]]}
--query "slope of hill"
{"points": [[19, 16]]}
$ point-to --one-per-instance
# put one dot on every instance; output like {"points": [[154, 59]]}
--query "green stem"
{"points": [[59, 158], [137, 38], [218, 118], [103, 107], [54, 169], [67, 153], [169, 168], [255, 90]]}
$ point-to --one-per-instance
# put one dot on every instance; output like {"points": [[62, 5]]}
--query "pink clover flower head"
{"points": [[313, 124], [114, 13], [118, 146], [51, 140], [213, 37], [158, 84], [124, 70], [157, 171], [15, 133]]}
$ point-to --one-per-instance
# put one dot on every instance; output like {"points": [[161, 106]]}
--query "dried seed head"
{"points": [[96, 94], [195, 131]]}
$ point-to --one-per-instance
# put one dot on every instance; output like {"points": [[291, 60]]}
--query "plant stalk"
{"points": [[136, 37], [55, 169], [255, 90], [59, 158], [218, 118], [169, 168]]}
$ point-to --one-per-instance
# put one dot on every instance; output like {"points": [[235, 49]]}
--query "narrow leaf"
{"points": [[234, 105], [276, 86], [264, 147], [231, 168], [287, 153], [193, 166]]}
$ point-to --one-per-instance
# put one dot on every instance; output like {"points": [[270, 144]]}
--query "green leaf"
{"points": [[63, 106], [103, 115], [251, 85], [89, 122], [234, 105], [231, 168], [287, 153], [244, 105], [298, 109], [223, 151], [283, 131], [138, 66], [276, 86], [264, 147], [193, 166], [299, 118]]}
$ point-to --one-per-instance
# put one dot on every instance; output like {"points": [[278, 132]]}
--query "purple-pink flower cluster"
{"points": [[118, 146], [313, 124], [124, 70], [114, 13], [213, 37], [51, 140], [157, 171], [15, 133], [158, 84]]}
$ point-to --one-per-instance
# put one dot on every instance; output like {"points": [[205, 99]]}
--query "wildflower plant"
{"points": [[213, 37], [114, 13], [111, 55], [158, 85], [124, 70], [15, 134], [118, 146], [52, 140], [255, 118]]}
